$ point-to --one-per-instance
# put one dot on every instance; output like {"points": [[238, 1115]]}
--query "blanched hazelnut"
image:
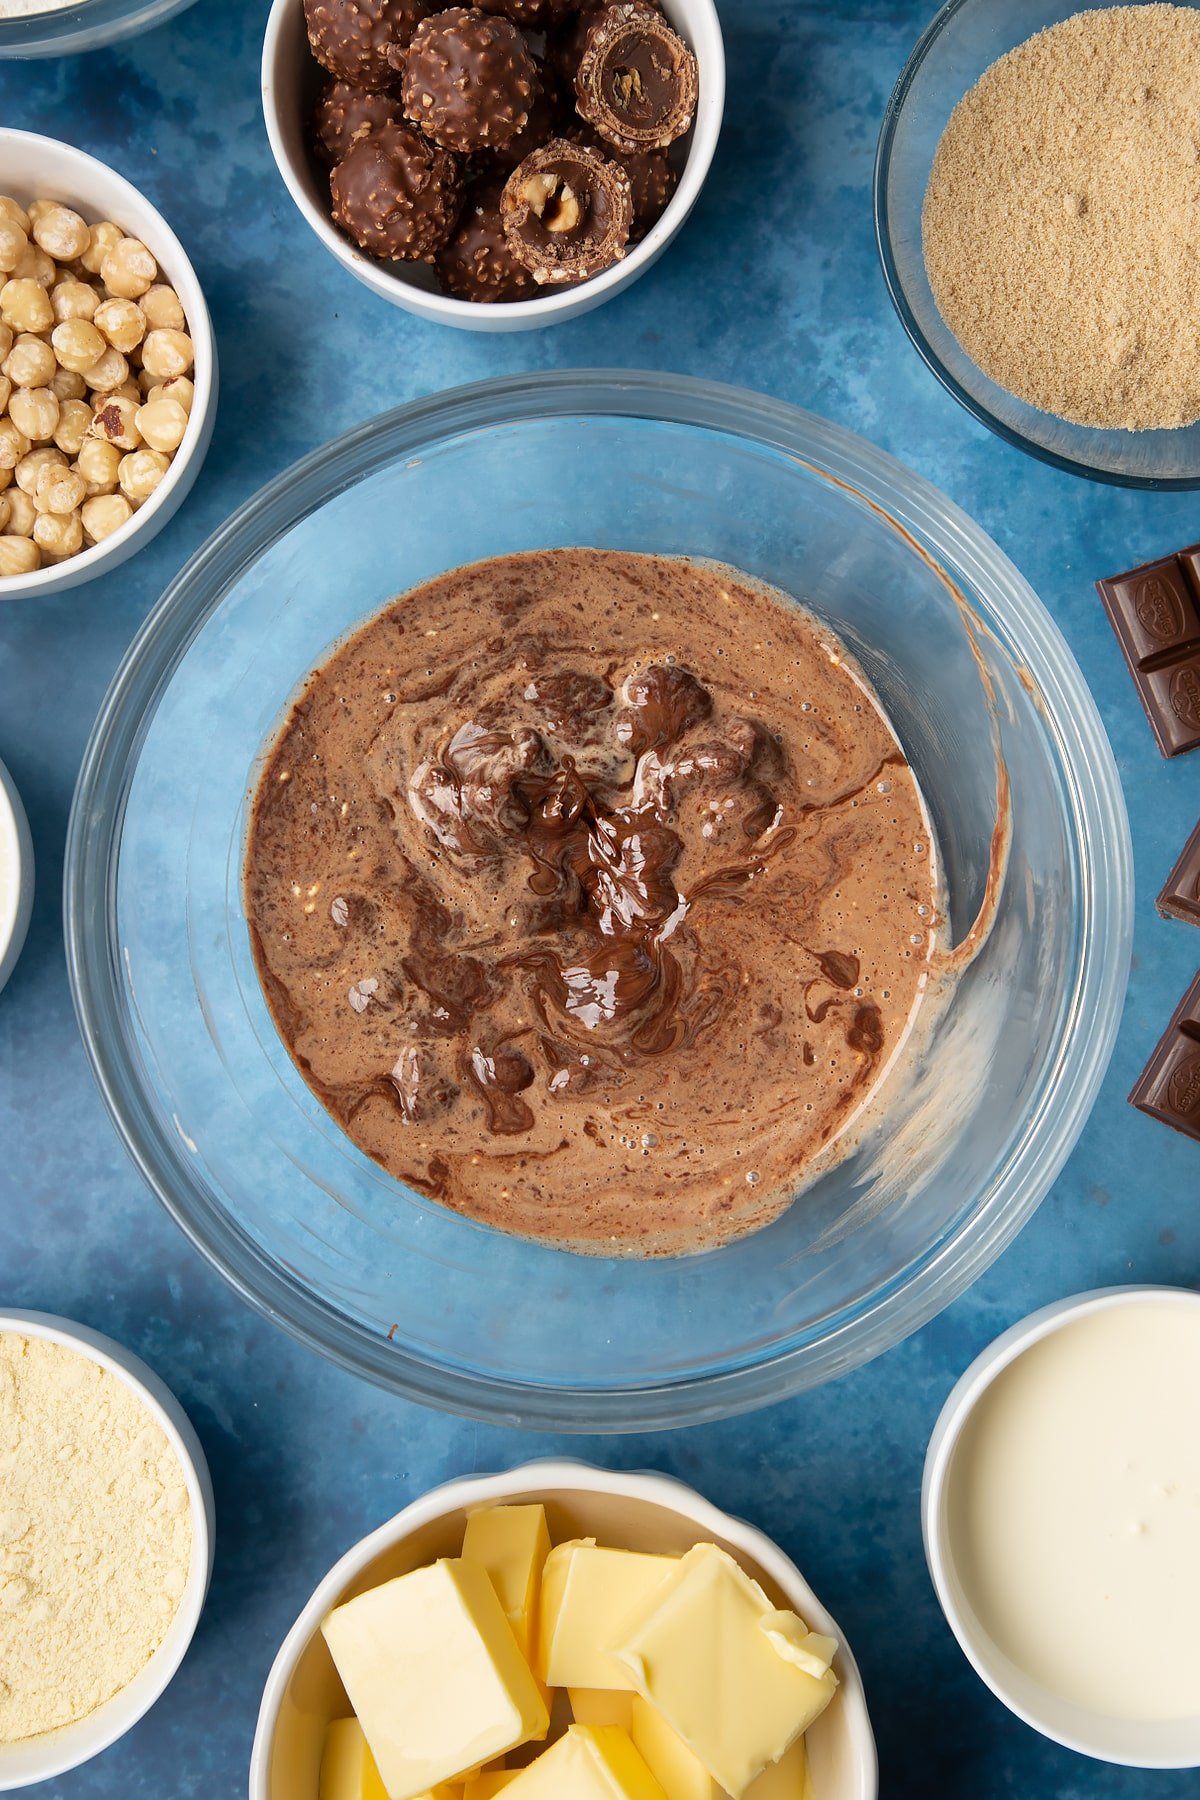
{"points": [[128, 270], [103, 515], [59, 490], [30, 362], [7, 339], [35, 265], [34, 411], [123, 324], [74, 417], [162, 423], [32, 464], [107, 373], [99, 463], [13, 445], [73, 299], [21, 512], [163, 309], [167, 353], [12, 243], [25, 305], [65, 384], [116, 422], [11, 210], [176, 387], [104, 237], [58, 535], [19, 556], [140, 473], [59, 231], [78, 345]]}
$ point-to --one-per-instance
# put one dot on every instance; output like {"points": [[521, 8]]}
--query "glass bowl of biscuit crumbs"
{"points": [[1034, 202]]}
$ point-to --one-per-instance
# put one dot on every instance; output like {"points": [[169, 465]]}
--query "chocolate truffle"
{"points": [[343, 114], [469, 80], [637, 80], [477, 263], [351, 38], [567, 212], [653, 178], [396, 195]]}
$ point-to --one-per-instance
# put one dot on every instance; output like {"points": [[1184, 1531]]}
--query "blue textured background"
{"points": [[774, 284]]}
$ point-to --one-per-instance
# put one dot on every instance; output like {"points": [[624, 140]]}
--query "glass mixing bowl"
{"points": [[387, 1282], [963, 40], [85, 25]]}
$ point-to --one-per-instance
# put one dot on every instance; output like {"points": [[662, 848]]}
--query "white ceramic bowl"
{"points": [[648, 1512], [16, 875], [42, 168], [1167, 1744], [291, 79], [42, 1758]]}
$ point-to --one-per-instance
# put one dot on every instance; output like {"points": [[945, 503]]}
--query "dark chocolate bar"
{"points": [[1180, 898], [1169, 1086], [1155, 612]]}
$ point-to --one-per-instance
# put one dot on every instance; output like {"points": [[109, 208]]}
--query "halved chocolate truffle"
{"points": [[567, 212], [637, 81]]}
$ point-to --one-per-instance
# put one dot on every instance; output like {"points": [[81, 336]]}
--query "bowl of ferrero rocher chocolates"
{"points": [[494, 166], [107, 368]]}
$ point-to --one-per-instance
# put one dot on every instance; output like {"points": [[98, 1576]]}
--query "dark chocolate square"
{"points": [[1171, 696], [1180, 897], [1154, 609], [1169, 1086]]}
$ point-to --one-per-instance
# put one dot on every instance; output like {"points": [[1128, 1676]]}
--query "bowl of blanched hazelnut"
{"points": [[108, 375]]}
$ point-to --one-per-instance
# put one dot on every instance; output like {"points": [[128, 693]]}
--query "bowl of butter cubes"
{"points": [[562, 1631]]}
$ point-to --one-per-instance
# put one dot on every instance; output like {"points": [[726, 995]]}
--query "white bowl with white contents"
{"points": [[51, 1753], [1061, 1512], [632, 1511], [16, 875], [42, 168], [291, 80]]}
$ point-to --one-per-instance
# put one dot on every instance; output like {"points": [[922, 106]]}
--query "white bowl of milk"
{"points": [[16, 875], [1061, 1510]]}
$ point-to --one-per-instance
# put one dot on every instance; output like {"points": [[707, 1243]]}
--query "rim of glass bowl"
{"points": [[895, 287], [1098, 823], [79, 28]]}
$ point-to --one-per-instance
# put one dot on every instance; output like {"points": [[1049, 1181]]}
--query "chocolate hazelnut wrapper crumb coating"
{"points": [[397, 195], [551, 112], [637, 81], [351, 38], [469, 80], [344, 114], [567, 212], [477, 263], [530, 15], [591, 894]]}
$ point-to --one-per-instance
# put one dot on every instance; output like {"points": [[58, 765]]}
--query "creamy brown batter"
{"points": [[591, 894]]}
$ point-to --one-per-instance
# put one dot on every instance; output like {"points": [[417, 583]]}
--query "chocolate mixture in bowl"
{"points": [[591, 894]]}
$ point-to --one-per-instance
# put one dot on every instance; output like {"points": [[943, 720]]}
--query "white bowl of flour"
{"points": [[106, 1543]]}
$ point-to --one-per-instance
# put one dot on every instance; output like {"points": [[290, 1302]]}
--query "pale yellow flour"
{"points": [[95, 1536], [1062, 218]]}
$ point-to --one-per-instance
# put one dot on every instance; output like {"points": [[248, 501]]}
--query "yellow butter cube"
{"points": [[678, 1770], [589, 1595], [787, 1779], [602, 1706], [512, 1543], [348, 1769], [488, 1782], [701, 1656], [434, 1674], [591, 1762]]}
